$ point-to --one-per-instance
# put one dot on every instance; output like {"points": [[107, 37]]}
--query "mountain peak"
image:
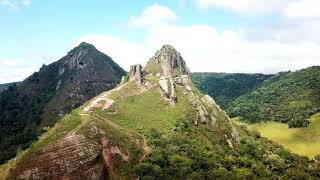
{"points": [[86, 45], [168, 62]]}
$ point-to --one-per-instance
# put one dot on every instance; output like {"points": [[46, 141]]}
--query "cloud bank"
{"points": [[206, 49]]}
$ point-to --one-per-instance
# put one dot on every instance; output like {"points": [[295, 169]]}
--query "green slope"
{"points": [[290, 97], [225, 88]]}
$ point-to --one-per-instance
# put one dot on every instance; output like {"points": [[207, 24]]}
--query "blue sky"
{"points": [[212, 35]]}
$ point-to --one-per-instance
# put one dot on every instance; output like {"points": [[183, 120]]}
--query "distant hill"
{"points": [[6, 85], [155, 125], [290, 97], [52, 92], [225, 87]]}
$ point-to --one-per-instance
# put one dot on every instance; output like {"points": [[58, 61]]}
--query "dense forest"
{"points": [[225, 88], [288, 97]]}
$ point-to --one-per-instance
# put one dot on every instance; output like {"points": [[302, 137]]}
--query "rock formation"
{"points": [[135, 73], [168, 62], [73, 157]]}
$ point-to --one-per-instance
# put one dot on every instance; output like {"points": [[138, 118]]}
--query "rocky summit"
{"points": [[154, 125], [167, 62], [29, 108]]}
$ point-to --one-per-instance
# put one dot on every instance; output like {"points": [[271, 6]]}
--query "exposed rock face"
{"points": [[168, 62], [73, 157], [135, 73]]}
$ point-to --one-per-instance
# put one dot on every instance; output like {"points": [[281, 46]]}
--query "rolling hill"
{"points": [[288, 97], [225, 88]]}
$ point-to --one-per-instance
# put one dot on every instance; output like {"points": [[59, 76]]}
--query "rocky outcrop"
{"points": [[136, 74], [73, 157], [168, 62]]}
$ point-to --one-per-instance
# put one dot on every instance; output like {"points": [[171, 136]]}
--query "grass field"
{"points": [[303, 141]]}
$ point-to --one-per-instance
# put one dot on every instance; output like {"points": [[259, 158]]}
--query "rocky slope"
{"points": [[155, 125], [51, 93]]}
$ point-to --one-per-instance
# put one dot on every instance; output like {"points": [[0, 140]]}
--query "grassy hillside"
{"points": [[225, 88], [303, 141]]}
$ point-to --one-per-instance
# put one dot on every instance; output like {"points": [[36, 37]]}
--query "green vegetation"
{"points": [[153, 68], [179, 150], [303, 141], [39, 101], [200, 153], [291, 97], [225, 88], [145, 111]]}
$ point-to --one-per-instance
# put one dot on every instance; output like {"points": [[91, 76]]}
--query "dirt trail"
{"points": [[87, 111], [102, 97]]}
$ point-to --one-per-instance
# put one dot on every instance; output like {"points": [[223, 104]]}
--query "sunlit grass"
{"points": [[303, 141]]}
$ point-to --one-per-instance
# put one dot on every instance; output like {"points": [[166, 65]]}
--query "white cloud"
{"points": [[15, 4], [153, 15], [303, 9], [14, 70], [206, 49], [288, 8], [123, 52], [26, 2], [8, 3], [244, 7]]}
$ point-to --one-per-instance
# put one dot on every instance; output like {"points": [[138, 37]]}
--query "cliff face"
{"points": [[49, 94]]}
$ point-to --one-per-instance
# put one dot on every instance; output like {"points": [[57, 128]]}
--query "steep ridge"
{"points": [[154, 125], [47, 95]]}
